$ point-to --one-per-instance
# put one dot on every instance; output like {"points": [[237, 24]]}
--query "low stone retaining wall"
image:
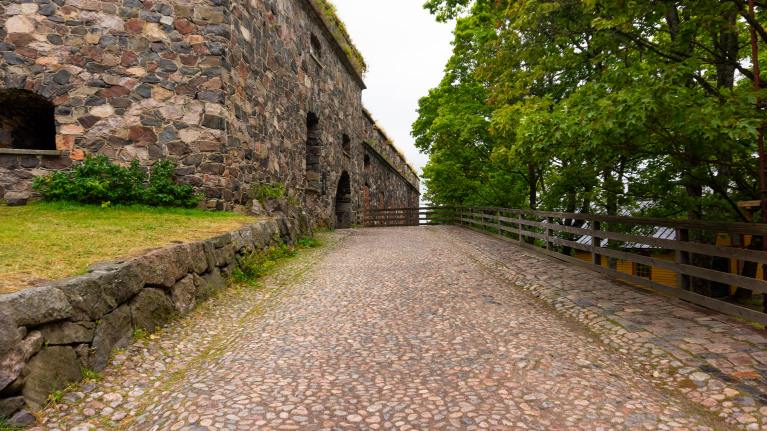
{"points": [[50, 334]]}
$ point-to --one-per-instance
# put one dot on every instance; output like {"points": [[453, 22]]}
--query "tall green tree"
{"points": [[600, 106]]}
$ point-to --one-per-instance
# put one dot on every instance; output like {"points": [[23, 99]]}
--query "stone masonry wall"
{"points": [[224, 86], [49, 333]]}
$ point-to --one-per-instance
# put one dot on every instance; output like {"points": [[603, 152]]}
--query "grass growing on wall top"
{"points": [[47, 241], [329, 15]]}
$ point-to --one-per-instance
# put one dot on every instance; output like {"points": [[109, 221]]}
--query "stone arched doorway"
{"points": [[26, 121], [344, 214]]}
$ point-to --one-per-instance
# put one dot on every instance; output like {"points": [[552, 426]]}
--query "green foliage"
{"points": [[99, 181], [262, 192], [750, 301], [338, 28], [139, 334], [309, 242], [163, 191], [5, 426], [597, 106], [90, 374], [255, 264]]}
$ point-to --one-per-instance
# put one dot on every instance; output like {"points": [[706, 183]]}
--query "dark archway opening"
{"points": [[26, 121], [344, 214], [366, 163], [346, 144], [313, 152], [315, 47]]}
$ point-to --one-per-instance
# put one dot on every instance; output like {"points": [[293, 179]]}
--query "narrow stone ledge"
{"points": [[31, 152], [317, 60]]}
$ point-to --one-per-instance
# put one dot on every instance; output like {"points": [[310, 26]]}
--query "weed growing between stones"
{"points": [[5, 426], [139, 334], [261, 192], [309, 242], [255, 265], [89, 374]]}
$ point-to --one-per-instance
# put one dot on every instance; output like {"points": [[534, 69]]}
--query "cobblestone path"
{"points": [[382, 329]]}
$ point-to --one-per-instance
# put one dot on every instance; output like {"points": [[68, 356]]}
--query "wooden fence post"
{"points": [[596, 241], [521, 229], [682, 257], [500, 232], [549, 233]]}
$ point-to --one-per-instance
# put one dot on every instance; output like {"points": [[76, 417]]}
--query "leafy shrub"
{"points": [[99, 181], [255, 265], [261, 192], [309, 242]]}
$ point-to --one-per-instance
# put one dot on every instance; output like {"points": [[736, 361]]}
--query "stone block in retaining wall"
{"points": [[115, 330], [63, 333], [183, 295], [212, 282], [51, 369], [33, 307], [10, 405], [84, 318], [106, 286], [150, 309], [161, 268]]}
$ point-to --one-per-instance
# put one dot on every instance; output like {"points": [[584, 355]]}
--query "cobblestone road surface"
{"points": [[382, 329]]}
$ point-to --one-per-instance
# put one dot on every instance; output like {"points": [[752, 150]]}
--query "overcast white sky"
{"points": [[406, 51]]}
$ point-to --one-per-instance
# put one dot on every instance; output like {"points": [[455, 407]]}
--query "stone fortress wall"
{"points": [[240, 92]]}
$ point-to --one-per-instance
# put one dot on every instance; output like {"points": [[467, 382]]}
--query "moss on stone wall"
{"points": [[338, 28]]}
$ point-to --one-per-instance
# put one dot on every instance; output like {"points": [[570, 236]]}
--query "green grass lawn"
{"points": [[48, 241]]}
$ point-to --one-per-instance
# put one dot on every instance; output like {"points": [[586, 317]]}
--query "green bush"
{"points": [[260, 193], [309, 242], [255, 265], [99, 181]]}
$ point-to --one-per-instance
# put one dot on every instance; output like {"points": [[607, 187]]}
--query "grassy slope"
{"points": [[47, 241]]}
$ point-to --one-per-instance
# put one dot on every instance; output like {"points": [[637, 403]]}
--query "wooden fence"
{"points": [[523, 227], [420, 216]]}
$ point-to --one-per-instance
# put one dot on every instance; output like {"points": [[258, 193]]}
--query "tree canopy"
{"points": [[596, 106]]}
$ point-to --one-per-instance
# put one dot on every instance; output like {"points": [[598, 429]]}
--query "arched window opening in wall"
{"points": [[381, 201], [315, 47], [344, 213], [346, 144], [313, 152], [26, 121], [366, 163]]}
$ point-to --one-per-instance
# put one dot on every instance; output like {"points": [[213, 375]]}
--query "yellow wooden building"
{"points": [[733, 266]]}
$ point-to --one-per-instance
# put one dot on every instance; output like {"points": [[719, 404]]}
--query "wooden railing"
{"points": [[524, 227], [420, 216]]}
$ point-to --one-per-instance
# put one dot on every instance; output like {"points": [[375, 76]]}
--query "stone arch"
{"points": [[26, 121], [344, 213]]}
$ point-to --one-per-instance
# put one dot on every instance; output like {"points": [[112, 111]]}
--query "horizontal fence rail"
{"points": [[628, 239], [394, 217]]}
